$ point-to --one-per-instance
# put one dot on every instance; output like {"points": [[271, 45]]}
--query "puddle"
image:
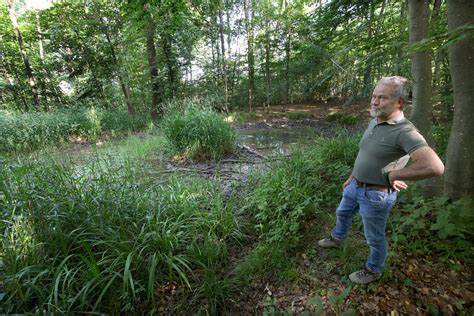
{"points": [[277, 141]]}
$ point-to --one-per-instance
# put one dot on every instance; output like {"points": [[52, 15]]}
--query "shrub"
{"points": [[198, 134]]}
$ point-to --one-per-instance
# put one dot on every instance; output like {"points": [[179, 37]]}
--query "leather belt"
{"points": [[375, 187]]}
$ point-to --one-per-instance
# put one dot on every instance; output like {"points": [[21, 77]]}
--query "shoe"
{"points": [[329, 242], [364, 276]]}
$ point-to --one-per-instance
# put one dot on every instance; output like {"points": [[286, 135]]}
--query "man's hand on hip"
{"points": [[398, 185]]}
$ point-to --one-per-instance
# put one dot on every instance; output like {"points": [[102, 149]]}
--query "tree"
{"points": [[249, 27], [156, 97], [24, 56], [419, 29], [419, 21], [122, 74], [224, 68], [459, 178]]}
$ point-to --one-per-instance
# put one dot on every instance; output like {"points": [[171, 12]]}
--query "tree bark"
{"points": [[166, 45], [24, 56], [422, 113], [459, 179], [287, 62], [368, 66], [156, 108], [268, 79], [248, 8], [224, 68], [419, 15]]}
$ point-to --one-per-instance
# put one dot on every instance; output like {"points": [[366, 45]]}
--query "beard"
{"points": [[375, 112]]}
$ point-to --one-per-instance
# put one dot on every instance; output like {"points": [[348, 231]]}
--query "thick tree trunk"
{"points": [[156, 108], [224, 68], [459, 179], [248, 8], [421, 116], [24, 56], [419, 15]]}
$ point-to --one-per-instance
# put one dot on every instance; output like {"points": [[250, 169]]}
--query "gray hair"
{"points": [[400, 87]]}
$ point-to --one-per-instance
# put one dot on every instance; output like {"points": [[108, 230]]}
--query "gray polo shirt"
{"points": [[385, 147]]}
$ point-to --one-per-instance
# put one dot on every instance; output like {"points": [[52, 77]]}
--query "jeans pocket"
{"points": [[375, 196]]}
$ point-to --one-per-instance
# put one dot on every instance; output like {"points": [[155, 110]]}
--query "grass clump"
{"points": [[343, 118], [293, 191], [100, 239], [198, 134]]}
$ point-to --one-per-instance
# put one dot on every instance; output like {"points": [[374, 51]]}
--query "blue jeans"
{"points": [[374, 208]]}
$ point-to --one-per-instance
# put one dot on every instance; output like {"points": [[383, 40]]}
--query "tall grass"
{"points": [[30, 131], [100, 239], [198, 134]]}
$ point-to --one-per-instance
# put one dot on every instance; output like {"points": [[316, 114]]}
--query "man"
{"points": [[379, 173]]}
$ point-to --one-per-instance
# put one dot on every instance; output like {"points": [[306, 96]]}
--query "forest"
{"points": [[185, 156]]}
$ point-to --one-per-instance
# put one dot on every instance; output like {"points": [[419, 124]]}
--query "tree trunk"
{"points": [[24, 56], [419, 15], [40, 36], [227, 18], [268, 79], [440, 52], [400, 58], [122, 75], [166, 45], [224, 68], [368, 65], [421, 116], [459, 179], [248, 8], [287, 62], [156, 108]]}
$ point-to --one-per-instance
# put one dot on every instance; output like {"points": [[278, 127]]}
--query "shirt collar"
{"points": [[397, 119]]}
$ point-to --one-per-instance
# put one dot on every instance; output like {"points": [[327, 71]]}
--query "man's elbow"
{"points": [[437, 169]]}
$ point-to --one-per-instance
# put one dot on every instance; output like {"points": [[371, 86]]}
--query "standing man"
{"points": [[379, 173]]}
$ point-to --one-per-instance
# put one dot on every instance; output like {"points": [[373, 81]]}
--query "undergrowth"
{"points": [[21, 132], [101, 239], [290, 193], [434, 226]]}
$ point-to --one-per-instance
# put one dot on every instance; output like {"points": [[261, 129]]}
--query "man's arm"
{"points": [[426, 164]]}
